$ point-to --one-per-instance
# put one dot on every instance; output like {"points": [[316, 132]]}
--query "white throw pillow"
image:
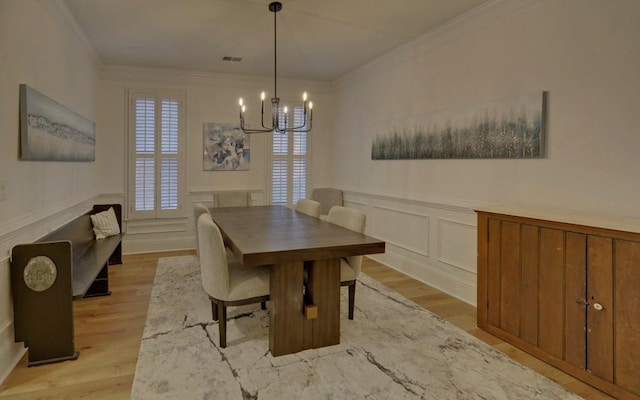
{"points": [[105, 224]]}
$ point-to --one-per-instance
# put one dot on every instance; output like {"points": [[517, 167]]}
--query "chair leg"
{"points": [[352, 298], [214, 310], [263, 305], [222, 324]]}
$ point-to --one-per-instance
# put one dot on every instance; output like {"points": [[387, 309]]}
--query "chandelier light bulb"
{"points": [[285, 109], [311, 105], [243, 108], [240, 102], [304, 96], [262, 96]]}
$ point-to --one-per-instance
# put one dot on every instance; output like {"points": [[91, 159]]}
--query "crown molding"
{"points": [[189, 77]]}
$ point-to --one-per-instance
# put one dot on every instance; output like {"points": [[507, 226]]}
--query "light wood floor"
{"points": [[108, 331]]}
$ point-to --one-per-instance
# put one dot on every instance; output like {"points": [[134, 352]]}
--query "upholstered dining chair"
{"points": [[226, 283], [309, 207], [198, 210], [231, 199], [350, 267]]}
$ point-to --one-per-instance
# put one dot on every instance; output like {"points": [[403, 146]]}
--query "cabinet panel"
{"points": [[576, 304], [551, 296], [510, 278], [600, 319], [530, 251], [627, 315], [493, 273]]}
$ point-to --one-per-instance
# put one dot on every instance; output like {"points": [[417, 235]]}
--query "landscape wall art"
{"points": [[51, 132], [511, 128]]}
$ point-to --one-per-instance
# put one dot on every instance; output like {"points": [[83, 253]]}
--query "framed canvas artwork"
{"points": [[51, 132], [225, 148]]}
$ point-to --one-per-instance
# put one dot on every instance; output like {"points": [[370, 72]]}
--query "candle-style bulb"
{"points": [[240, 102], [243, 108], [304, 96], [311, 105], [263, 95], [285, 109]]}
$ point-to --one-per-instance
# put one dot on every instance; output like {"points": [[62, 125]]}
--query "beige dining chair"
{"points": [[198, 210], [231, 199], [309, 207], [350, 267], [225, 281]]}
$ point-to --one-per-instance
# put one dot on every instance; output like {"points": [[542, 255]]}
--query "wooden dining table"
{"points": [[295, 244]]}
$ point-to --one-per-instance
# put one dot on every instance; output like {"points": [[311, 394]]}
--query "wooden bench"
{"points": [[65, 265]]}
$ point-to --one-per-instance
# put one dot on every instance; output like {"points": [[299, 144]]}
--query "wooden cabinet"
{"points": [[565, 289]]}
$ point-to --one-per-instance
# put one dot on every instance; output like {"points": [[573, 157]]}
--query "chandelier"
{"points": [[278, 125]]}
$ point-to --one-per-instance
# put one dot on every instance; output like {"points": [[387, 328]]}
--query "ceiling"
{"points": [[317, 39]]}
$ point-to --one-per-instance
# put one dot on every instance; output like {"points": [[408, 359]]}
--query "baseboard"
{"points": [[429, 276]]}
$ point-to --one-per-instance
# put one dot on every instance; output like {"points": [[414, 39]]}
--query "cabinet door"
{"points": [[627, 315], [576, 302], [601, 309], [551, 294]]}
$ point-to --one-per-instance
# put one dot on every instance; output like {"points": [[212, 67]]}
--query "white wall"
{"points": [[585, 53], [209, 98], [39, 46]]}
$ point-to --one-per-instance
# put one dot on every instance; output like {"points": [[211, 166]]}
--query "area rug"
{"points": [[393, 349]]}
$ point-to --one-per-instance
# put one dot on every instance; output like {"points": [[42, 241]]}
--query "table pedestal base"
{"points": [[289, 330]]}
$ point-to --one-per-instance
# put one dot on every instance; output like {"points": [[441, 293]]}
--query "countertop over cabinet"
{"points": [[626, 224]]}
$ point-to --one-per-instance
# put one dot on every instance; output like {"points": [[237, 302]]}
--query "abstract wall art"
{"points": [[225, 148], [510, 128], [51, 132]]}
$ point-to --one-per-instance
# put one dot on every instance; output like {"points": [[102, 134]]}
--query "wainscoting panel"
{"points": [[10, 352], [432, 240], [457, 244], [405, 229]]}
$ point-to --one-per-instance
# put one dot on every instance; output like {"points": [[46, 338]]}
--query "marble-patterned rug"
{"points": [[393, 349]]}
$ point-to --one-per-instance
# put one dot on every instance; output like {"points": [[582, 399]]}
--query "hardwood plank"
{"points": [[530, 256], [551, 298], [510, 278], [600, 322], [576, 293], [627, 314], [493, 273]]}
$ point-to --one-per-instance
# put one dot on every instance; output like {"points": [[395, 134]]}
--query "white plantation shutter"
{"points": [[289, 162], [169, 154], [156, 138]]}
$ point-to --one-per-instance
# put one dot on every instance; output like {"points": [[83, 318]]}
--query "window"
{"points": [[289, 162], [156, 134]]}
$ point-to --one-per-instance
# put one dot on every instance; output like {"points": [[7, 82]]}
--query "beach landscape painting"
{"points": [[51, 132]]}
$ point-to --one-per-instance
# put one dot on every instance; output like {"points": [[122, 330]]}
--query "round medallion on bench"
{"points": [[40, 273]]}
